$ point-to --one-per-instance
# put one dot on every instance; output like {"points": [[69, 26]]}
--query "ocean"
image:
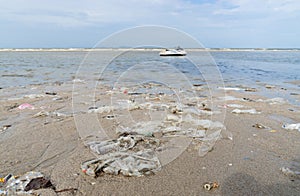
{"points": [[117, 67]]}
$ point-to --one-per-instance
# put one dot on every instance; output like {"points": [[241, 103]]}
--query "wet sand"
{"points": [[247, 165]]}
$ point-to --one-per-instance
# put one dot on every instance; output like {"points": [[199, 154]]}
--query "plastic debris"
{"points": [[6, 178], [230, 98], [52, 114], [292, 126], [142, 128], [248, 99], [131, 155], [210, 185], [26, 106], [229, 88], [235, 106], [50, 93], [121, 144], [250, 111], [273, 101], [33, 96], [25, 183], [250, 89], [290, 172], [269, 86], [260, 126], [4, 127], [128, 164], [104, 109]]}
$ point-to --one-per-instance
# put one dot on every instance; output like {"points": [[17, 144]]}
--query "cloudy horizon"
{"points": [[215, 24]]}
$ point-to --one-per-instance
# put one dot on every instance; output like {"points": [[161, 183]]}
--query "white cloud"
{"points": [[202, 17], [168, 12]]}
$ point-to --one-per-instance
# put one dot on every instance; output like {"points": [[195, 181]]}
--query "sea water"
{"points": [[239, 67]]}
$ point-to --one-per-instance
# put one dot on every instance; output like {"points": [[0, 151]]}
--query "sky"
{"points": [[214, 23]]}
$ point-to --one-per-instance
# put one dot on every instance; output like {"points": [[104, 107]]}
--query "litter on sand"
{"points": [[273, 101], [26, 106], [24, 184], [4, 127], [260, 126], [130, 155], [210, 185], [250, 111], [290, 172], [292, 126], [128, 164], [139, 146], [230, 88]]}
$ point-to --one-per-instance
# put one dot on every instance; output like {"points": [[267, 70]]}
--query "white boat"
{"points": [[173, 52]]}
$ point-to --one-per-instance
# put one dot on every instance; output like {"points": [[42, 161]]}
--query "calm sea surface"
{"points": [[250, 68]]}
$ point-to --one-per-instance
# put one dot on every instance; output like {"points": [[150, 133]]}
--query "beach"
{"points": [[46, 127]]}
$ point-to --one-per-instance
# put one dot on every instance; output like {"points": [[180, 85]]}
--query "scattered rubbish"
{"points": [[248, 99], [229, 88], [229, 98], [269, 86], [121, 144], [247, 159], [210, 185], [197, 84], [251, 89], [290, 172], [235, 106], [294, 94], [250, 111], [272, 131], [197, 133], [24, 184], [41, 114], [230, 164], [142, 128], [126, 163], [26, 106], [33, 96], [66, 190], [50, 93], [260, 126], [44, 113], [109, 117], [134, 93], [104, 109], [292, 126], [4, 127], [172, 117], [131, 155], [6, 178], [273, 101], [78, 81], [57, 99]]}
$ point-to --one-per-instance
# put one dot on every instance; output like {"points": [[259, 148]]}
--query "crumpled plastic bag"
{"points": [[25, 183], [295, 126], [126, 163], [250, 111], [131, 155]]}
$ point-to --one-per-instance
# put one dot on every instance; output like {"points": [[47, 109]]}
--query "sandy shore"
{"points": [[247, 165]]}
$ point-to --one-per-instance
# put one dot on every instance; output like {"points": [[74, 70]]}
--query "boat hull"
{"points": [[172, 54]]}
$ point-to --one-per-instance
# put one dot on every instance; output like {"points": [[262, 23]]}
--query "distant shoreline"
{"points": [[140, 49]]}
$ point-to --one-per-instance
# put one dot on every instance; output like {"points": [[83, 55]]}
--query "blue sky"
{"points": [[215, 23]]}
